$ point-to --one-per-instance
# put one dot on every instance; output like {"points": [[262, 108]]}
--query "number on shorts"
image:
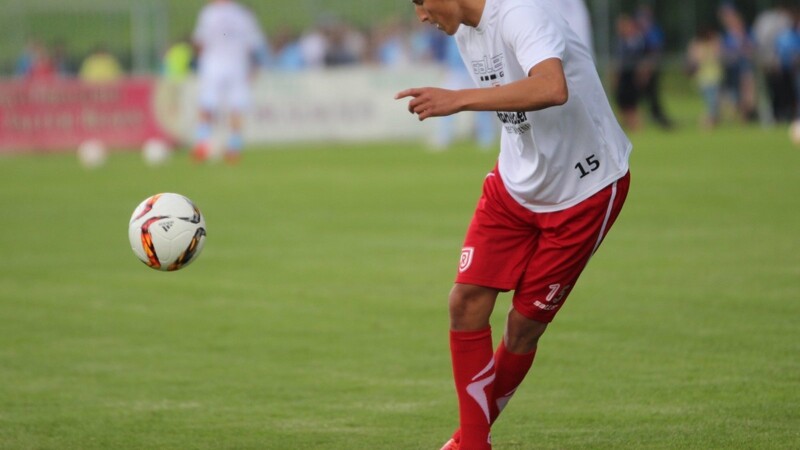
{"points": [[556, 293]]}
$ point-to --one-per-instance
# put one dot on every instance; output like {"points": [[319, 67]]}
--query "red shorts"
{"points": [[537, 255]]}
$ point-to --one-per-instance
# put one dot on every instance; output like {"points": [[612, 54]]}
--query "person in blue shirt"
{"points": [[738, 52], [787, 48], [630, 52], [650, 71]]}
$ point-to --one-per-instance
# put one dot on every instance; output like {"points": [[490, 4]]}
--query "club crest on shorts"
{"points": [[466, 258]]}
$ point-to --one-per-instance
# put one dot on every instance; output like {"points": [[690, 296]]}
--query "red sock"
{"points": [[510, 370], [473, 371]]}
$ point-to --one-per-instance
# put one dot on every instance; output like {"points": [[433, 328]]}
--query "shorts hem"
{"points": [[540, 317], [486, 282]]}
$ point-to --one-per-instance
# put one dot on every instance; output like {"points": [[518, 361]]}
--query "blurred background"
{"points": [[316, 317], [739, 59], [139, 32]]}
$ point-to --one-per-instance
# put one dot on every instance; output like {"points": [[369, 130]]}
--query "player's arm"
{"points": [[545, 86]]}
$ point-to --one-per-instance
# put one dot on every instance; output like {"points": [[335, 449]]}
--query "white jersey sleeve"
{"points": [[533, 37]]}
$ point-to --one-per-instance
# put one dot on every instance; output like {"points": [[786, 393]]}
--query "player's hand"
{"points": [[430, 102]]}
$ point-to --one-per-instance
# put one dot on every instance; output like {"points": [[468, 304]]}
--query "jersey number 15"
{"points": [[591, 163]]}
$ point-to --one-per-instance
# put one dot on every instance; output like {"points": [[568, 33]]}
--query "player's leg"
{"points": [[514, 357], [239, 103], [495, 253], [470, 306], [512, 361], [202, 135], [209, 86], [552, 272], [235, 143], [473, 365]]}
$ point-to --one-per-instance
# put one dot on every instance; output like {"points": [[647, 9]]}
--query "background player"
{"points": [[229, 40], [559, 184]]}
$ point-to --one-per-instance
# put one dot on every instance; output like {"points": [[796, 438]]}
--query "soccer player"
{"points": [[558, 186], [229, 41]]}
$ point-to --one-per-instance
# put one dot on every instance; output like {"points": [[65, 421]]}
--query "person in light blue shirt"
{"points": [[288, 55]]}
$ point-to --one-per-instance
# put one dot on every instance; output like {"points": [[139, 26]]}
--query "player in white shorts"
{"points": [[560, 182], [229, 41]]}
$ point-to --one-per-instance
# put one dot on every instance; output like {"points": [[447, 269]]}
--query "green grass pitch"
{"points": [[316, 317]]}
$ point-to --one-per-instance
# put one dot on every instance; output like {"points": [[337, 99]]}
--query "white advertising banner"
{"points": [[348, 104]]}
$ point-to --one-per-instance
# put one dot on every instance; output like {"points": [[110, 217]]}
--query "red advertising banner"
{"points": [[60, 114]]}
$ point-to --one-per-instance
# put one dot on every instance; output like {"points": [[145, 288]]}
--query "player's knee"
{"points": [[463, 298], [470, 307], [522, 343], [522, 334]]}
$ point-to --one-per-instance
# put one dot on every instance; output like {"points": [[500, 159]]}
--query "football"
{"points": [[155, 152], [167, 231], [92, 153]]}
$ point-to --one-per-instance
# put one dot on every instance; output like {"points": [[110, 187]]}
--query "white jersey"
{"points": [[559, 156], [577, 15], [228, 35]]}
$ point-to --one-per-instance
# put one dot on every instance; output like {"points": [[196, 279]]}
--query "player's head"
{"points": [[447, 15]]}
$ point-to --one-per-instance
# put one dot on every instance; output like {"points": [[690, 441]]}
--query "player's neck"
{"points": [[472, 12]]}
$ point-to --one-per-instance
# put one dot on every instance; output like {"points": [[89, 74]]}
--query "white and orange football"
{"points": [[167, 231]]}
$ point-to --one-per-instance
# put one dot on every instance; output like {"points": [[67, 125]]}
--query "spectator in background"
{"points": [[61, 60], [288, 55], [787, 45], [650, 71], [769, 24], [176, 68], [628, 83], [705, 64], [178, 58], [738, 50], [26, 58], [100, 66], [346, 45], [392, 44], [314, 45], [229, 41], [438, 43], [426, 44], [35, 63]]}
